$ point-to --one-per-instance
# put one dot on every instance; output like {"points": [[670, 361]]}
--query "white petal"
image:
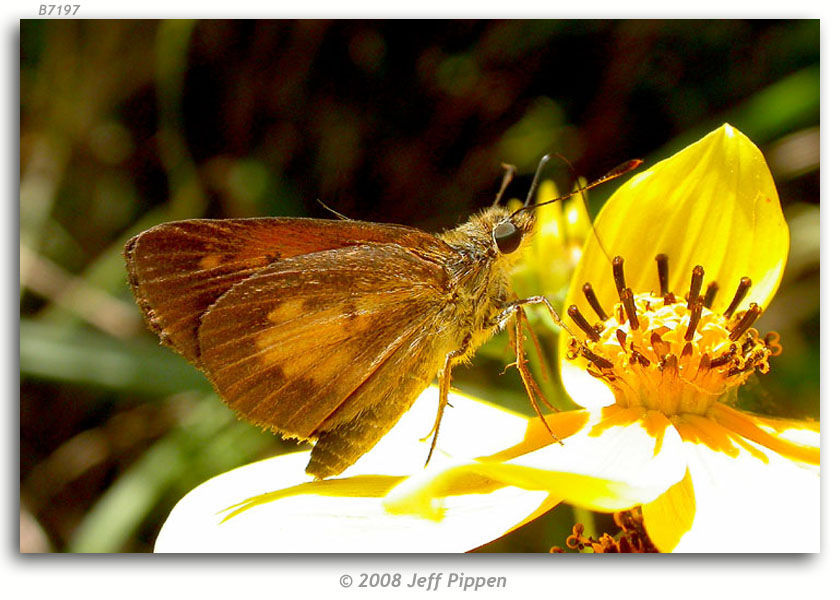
{"points": [[315, 523], [469, 428], [747, 505], [328, 523], [614, 469], [626, 454]]}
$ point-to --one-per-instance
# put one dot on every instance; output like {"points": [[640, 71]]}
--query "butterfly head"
{"points": [[499, 231]]}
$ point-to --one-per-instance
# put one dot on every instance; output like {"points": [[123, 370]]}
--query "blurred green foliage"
{"points": [[125, 124]]}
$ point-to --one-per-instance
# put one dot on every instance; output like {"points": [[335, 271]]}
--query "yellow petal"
{"points": [[670, 516], [712, 204], [796, 440], [536, 435]]}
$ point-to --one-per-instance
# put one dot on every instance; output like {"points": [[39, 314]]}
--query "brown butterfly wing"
{"points": [[177, 270], [334, 345]]}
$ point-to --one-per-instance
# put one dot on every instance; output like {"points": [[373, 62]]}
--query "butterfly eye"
{"points": [[507, 237]]}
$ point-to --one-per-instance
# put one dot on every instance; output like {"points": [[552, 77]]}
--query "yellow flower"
{"points": [[697, 244], [656, 362]]}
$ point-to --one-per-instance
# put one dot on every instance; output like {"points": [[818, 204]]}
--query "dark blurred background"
{"points": [[125, 124]]}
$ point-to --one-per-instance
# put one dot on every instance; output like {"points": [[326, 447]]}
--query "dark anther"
{"points": [[746, 322], [724, 358], [662, 267], [748, 344], [670, 298], [593, 301], [626, 296], [622, 337], [743, 286], [601, 363], [659, 345], [581, 322], [694, 320], [687, 350], [640, 358], [711, 292], [618, 274], [670, 363], [696, 283]]}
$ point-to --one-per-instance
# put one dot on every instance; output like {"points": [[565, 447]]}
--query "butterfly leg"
{"points": [[515, 309], [513, 306], [531, 387], [444, 383]]}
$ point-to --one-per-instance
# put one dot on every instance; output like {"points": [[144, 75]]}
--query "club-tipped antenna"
{"points": [[537, 173], [617, 172]]}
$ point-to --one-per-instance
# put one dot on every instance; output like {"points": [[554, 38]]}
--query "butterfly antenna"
{"points": [[617, 172], [585, 197], [510, 170], [333, 211], [537, 174]]}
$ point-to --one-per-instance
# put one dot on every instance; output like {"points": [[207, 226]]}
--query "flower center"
{"points": [[668, 353]]}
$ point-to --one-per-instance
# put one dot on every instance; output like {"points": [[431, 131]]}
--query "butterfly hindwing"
{"points": [[310, 344]]}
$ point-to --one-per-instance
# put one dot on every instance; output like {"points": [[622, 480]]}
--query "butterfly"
{"points": [[328, 330]]}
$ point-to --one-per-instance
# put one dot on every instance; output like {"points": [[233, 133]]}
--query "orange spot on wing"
{"points": [[211, 261]]}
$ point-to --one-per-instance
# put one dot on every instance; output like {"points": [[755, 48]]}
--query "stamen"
{"points": [[694, 320], [748, 344], [660, 346], [618, 274], [671, 353], [662, 267], [711, 292], [593, 301], [622, 337], [743, 286], [771, 340], [626, 296], [724, 358], [696, 282], [746, 322], [669, 363], [640, 358], [581, 322], [601, 363]]}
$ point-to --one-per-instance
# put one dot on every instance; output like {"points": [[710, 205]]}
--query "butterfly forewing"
{"points": [[177, 270]]}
